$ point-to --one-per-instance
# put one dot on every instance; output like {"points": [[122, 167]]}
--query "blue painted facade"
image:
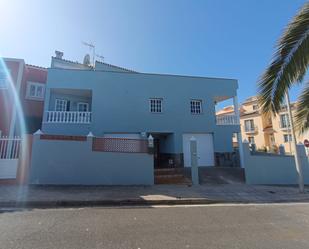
{"points": [[119, 102], [75, 163]]}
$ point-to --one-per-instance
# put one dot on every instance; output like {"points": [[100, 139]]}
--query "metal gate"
{"points": [[9, 155]]}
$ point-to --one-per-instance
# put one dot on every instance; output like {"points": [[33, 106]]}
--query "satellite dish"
{"points": [[87, 60]]}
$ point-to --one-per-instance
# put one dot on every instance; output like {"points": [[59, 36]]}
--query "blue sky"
{"points": [[215, 38]]}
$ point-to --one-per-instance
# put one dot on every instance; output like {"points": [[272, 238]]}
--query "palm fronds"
{"points": [[302, 112], [289, 64]]}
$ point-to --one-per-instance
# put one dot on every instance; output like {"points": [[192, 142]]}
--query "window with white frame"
{"points": [[82, 107], [284, 121], [155, 105], [287, 138], [249, 125], [35, 90], [61, 105], [196, 106], [255, 107]]}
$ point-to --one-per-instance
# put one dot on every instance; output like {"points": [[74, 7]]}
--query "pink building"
{"points": [[22, 90], [29, 84]]}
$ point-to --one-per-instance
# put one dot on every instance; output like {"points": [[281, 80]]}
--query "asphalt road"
{"points": [[245, 226]]}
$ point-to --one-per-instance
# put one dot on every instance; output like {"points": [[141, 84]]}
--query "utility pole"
{"points": [[239, 138], [297, 162], [288, 121]]}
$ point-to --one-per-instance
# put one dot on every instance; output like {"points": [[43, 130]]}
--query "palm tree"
{"points": [[288, 68]]}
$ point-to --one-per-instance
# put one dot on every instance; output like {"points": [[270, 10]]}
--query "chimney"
{"points": [[59, 54]]}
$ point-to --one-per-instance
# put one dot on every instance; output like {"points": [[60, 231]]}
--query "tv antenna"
{"points": [[91, 47], [100, 56]]}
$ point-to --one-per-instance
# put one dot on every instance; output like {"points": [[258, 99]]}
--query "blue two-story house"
{"points": [[110, 101]]}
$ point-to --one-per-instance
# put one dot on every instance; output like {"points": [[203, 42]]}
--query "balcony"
{"points": [[68, 117], [227, 120]]}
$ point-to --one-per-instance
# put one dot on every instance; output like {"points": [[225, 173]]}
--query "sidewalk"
{"points": [[60, 196]]}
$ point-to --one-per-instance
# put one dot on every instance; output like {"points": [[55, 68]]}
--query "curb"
{"points": [[102, 203]]}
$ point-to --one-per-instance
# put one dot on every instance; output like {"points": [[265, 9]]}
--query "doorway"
{"points": [[162, 149], [156, 153]]}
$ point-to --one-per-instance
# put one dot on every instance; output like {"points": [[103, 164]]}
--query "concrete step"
{"points": [[168, 171], [172, 180], [170, 176]]}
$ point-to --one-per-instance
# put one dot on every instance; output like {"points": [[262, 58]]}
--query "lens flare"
{"points": [[12, 116]]}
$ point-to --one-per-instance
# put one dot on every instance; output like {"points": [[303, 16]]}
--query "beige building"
{"points": [[266, 131]]}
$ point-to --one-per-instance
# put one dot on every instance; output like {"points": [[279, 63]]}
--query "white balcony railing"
{"points": [[68, 117], [227, 120]]}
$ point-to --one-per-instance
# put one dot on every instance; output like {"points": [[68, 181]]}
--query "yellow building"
{"points": [[266, 131]]}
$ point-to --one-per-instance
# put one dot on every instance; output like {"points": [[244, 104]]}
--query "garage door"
{"points": [[205, 149]]}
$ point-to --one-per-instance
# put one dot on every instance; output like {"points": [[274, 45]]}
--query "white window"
{"points": [[4, 79], [82, 107], [61, 105], [155, 105], [255, 107], [249, 125], [287, 138], [196, 106], [35, 90], [284, 121]]}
